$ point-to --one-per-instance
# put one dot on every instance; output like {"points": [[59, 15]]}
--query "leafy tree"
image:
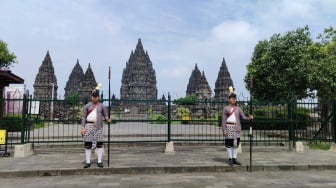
{"points": [[292, 66], [278, 66], [323, 67], [322, 61], [6, 58]]}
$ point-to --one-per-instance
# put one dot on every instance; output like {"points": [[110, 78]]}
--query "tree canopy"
{"points": [[322, 62], [292, 65], [7, 58]]}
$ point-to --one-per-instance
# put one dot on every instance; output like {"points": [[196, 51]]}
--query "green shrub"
{"points": [[188, 100], [182, 112], [72, 99], [276, 118], [12, 123], [157, 118], [37, 123]]}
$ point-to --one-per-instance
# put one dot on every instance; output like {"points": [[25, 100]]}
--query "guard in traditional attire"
{"points": [[94, 113], [231, 127]]}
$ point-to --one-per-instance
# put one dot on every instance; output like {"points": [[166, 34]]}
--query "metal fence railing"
{"points": [[52, 122]]}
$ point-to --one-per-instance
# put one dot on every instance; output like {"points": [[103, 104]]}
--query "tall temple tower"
{"points": [[194, 80], [223, 83], [75, 79], [138, 78], [87, 85], [45, 85]]}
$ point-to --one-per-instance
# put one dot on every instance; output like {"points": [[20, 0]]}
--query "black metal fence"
{"points": [[57, 122]]}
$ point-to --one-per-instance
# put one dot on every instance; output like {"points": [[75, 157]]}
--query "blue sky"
{"points": [[176, 33]]}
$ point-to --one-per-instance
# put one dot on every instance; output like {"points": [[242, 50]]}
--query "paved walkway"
{"points": [[152, 160]]}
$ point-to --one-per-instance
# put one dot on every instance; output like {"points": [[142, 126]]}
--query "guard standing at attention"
{"points": [[94, 113], [231, 127]]}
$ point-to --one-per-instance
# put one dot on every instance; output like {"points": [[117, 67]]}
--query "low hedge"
{"points": [[12, 123], [266, 118]]}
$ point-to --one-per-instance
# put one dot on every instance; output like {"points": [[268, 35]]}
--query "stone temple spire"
{"points": [[75, 79], [45, 80], [193, 81], [139, 47], [45, 86], [203, 90], [138, 78], [87, 84], [223, 83]]}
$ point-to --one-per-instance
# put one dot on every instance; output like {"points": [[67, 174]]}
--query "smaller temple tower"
{"points": [[87, 84], [194, 80], [198, 85], [223, 83], [203, 90], [75, 79]]}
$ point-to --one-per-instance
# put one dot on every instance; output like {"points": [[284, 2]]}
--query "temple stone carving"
{"points": [[223, 83], [138, 78], [45, 86]]}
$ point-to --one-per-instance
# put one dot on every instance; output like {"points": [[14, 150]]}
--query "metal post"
{"points": [[24, 119], [6, 154], [29, 112], [334, 119], [109, 124], [291, 127], [251, 131], [169, 117], [52, 104]]}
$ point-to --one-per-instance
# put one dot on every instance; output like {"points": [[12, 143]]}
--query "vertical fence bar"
{"points": [[334, 120], [109, 116], [169, 117], [251, 124], [24, 120], [291, 125], [30, 124]]}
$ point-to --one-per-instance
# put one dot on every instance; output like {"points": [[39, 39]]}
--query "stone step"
{"points": [[160, 170]]}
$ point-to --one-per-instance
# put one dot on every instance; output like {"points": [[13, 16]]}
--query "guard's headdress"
{"points": [[95, 92], [231, 94]]}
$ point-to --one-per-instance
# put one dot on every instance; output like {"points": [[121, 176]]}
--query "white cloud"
{"points": [[234, 31]]}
